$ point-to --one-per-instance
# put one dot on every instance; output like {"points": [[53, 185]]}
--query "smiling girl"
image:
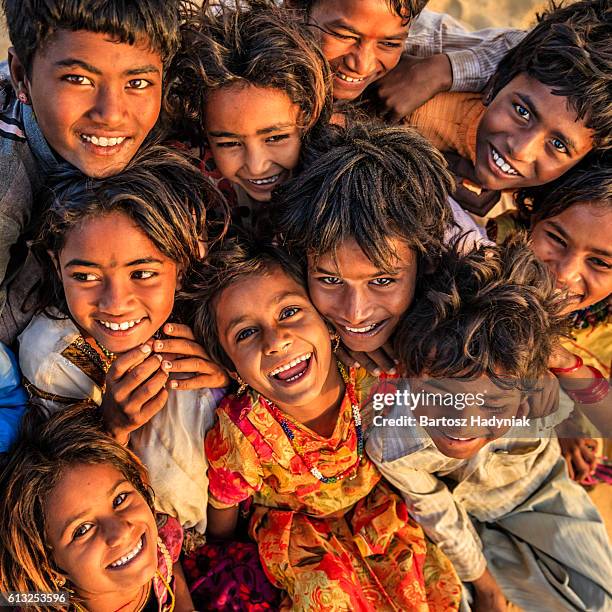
{"points": [[114, 252], [252, 85], [328, 531], [570, 221], [76, 516]]}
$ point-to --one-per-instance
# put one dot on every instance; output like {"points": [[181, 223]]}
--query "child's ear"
{"points": [[19, 78]]}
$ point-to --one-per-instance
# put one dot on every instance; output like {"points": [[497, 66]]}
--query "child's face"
{"points": [[95, 99], [362, 40], [463, 440], [528, 136], [254, 136], [361, 301], [276, 339], [119, 287], [576, 246], [101, 531]]}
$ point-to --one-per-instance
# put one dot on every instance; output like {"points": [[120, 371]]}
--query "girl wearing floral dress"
{"points": [[329, 531]]}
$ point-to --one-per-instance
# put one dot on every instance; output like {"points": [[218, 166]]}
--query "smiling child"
{"points": [[535, 120], [292, 440], [114, 252], [87, 90], [512, 522], [76, 517]]}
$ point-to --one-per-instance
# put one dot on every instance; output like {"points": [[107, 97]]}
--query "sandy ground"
{"points": [[482, 14]]}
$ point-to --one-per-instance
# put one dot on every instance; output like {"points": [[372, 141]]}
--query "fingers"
{"points": [[137, 376], [178, 330], [134, 408], [127, 361], [383, 361], [347, 358], [580, 467], [215, 380], [179, 346]]}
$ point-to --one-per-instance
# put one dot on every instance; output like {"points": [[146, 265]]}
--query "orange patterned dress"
{"points": [[346, 545]]}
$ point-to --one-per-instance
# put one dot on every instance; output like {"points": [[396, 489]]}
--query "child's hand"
{"points": [[186, 356], [412, 82], [580, 455], [488, 597], [135, 391], [376, 362]]}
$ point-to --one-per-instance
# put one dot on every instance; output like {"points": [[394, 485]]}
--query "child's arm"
{"points": [[189, 360], [182, 601], [222, 522]]}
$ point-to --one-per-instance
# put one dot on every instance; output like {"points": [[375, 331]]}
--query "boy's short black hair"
{"points": [[229, 261], [590, 181], [569, 51], [406, 9], [32, 22], [493, 311], [370, 183]]}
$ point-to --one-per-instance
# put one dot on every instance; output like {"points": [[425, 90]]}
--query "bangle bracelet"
{"points": [[595, 392], [577, 365]]}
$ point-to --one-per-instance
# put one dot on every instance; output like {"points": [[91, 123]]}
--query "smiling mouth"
{"points": [[502, 163], [348, 79], [265, 181], [364, 330], [103, 141], [130, 556], [293, 370], [123, 326]]}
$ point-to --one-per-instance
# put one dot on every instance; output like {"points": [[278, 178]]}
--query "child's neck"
{"points": [[117, 602], [321, 415]]}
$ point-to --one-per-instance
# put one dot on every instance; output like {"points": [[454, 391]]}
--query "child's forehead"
{"points": [[377, 14]]}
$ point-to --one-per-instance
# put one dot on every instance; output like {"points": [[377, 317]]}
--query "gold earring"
{"points": [[243, 386], [335, 338], [59, 581]]}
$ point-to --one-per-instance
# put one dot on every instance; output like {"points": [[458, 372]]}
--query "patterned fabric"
{"points": [[228, 576], [336, 546]]}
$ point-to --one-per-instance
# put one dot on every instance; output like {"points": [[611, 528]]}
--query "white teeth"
{"points": [[501, 163], [349, 79], [291, 364], [458, 439], [120, 326], [129, 556], [266, 181], [361, 330], [102, 141]]}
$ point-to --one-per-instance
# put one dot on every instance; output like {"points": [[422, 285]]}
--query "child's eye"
{"points": [[143, 274], [600, 263], [227, 144], [390, 45], [139, 84], [81, 530], [243, 334], [559, 145], [288, 312], [84, 276], [382, 282], [556, 238], [77, 79], [119, 499], [330, 280], [277, 138], [341, 36], [521, 111]]}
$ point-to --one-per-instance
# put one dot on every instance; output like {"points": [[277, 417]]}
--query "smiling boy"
{"points": [[545, 108], [495, 497], [88, 83]]}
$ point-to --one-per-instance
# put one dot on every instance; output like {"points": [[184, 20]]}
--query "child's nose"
{"points": [[109, 106], [115, 298], [118, 532], [256, 161], [568, 271], [525, 145], [355, 306], [277, 341], [362, 59]]}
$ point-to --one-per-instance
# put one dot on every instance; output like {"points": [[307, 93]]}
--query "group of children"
{"points": [[220, 254]]}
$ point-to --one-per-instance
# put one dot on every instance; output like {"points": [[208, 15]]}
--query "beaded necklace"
{"points": [[90, 351], [591, 316], [289, 430]]}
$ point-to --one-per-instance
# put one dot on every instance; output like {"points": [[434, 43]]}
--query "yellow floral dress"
{"points": [[344, 545]]}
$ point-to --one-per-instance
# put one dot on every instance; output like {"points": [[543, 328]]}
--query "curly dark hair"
{"points": [[160, 191], [249, 43], [370, 183], [589, 181], [36, 463], [569, 51], [493, 311], [32, 22], [235, 258], [406, 9]]}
